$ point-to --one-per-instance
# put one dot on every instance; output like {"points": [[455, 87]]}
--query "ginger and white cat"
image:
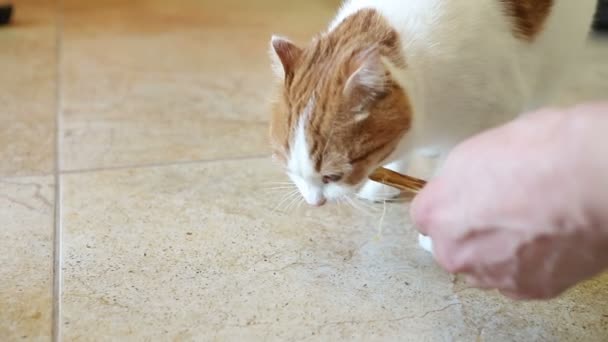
{"points": [[393, 78]]}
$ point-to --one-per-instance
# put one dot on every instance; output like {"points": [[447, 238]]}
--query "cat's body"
{"points": [[398, 77], [471, 66]]}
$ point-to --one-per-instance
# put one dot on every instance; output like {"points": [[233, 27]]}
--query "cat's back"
{"points": [[398, 12], [517, 49], [524, 20], [525, 42]]}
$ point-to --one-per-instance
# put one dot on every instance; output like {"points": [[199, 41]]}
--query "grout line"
{"points": [[27, 175], [57, 243], [57, 263], [154, 165], [134, 166]]}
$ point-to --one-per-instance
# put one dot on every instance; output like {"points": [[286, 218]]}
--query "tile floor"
{"points": [[120, 123]]}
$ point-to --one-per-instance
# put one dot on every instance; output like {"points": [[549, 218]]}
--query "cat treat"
{"points": [[397, 180]]}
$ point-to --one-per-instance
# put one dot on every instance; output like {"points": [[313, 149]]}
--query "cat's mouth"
{"points": [[381, 175], [322, 198], [320, 203]]}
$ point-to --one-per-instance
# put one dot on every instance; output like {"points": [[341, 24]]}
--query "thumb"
{"points": [[422, 208]]}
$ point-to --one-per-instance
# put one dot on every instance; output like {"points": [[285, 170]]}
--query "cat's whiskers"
{"points": [[292, 203], [340, 201], [358, 206], [381, 223], [288, 203], [285, 198], [288, 190], [364, 203], [300, 202], [279, 188], [278, 183]]}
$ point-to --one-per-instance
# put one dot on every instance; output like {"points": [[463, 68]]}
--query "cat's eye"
{"points": [[332, 178]]}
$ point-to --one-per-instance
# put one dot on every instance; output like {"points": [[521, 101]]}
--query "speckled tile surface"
{"points": [[28, 72], [177, 253], [147, 82], [26, 258]]}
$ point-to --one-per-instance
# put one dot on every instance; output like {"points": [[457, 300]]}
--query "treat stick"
{"points": [[397, 180]]}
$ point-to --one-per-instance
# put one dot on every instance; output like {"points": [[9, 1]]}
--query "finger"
{"points": [[531, 294], [451, 255], [420, 213]]}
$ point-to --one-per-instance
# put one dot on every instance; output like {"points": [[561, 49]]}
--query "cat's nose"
{"points": [[320, 202], [316, 201], [313, 195]]}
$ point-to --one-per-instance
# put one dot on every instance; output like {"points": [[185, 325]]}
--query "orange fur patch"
{"points": [[529, 16], [338, 141]]}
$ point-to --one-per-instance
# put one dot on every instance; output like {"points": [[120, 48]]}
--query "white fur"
{"points": [[376, 192], [300, 166], [467, 72], [426, 243], [362, 116]]}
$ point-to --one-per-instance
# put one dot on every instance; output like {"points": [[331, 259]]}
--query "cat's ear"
{"points": [[368, 74], [284, 54]]}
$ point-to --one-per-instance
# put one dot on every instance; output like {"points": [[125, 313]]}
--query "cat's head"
{"points": [[339, 113]]}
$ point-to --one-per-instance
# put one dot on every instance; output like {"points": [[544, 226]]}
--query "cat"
{"points": [[392, 79]]}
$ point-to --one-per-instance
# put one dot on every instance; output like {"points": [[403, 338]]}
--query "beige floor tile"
{"points": [[182, 253], [28, 82], [589, 82], [152, 82], [26, 258]]}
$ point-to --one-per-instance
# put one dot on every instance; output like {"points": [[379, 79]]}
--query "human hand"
{"points": [[523, 208]]}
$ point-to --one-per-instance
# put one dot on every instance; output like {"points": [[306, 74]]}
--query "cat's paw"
{"points": [[426, 243], [376, 192]]}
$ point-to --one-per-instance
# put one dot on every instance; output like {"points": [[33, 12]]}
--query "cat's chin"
{"points": [[376, 192]]}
